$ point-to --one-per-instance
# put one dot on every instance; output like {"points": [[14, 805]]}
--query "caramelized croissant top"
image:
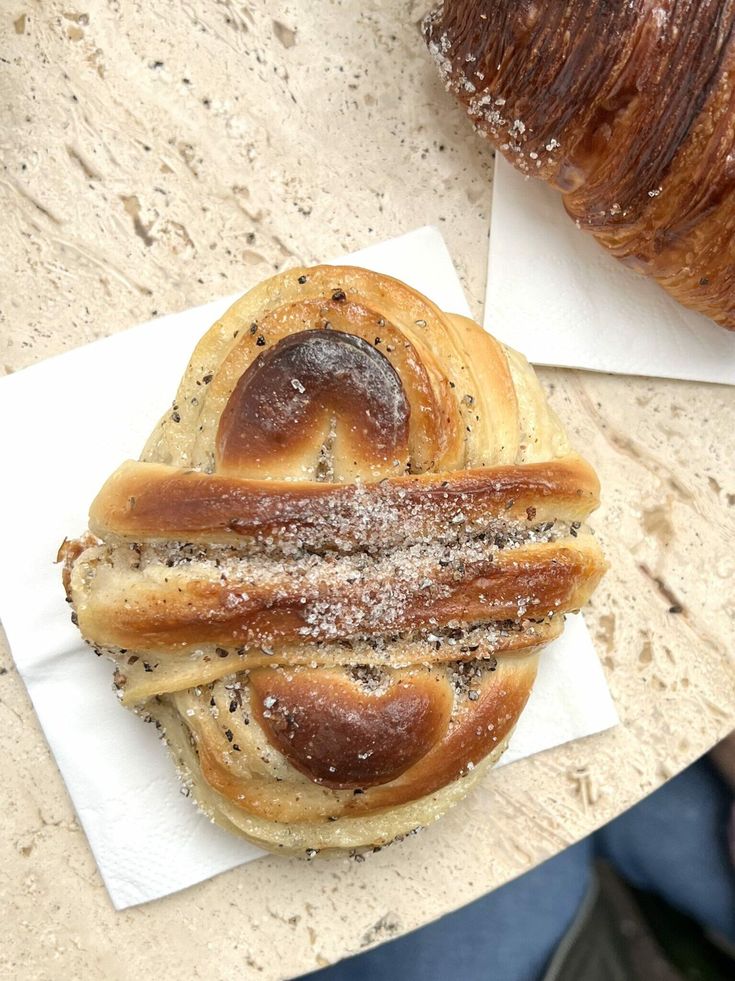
{"points": [[330, 574], [627, 108]]}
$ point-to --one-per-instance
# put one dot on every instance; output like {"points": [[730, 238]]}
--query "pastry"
{"points": [[330, 574], [627, 108]]}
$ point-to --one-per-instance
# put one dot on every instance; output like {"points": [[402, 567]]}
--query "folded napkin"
{"points": [[558, 296], [70, 421]]}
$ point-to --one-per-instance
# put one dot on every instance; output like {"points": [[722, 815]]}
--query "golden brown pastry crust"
{"points": [[330, 575], [627, 108], [236, 603], [150, 502]]}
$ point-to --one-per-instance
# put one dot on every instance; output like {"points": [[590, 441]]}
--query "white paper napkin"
{"points": [[66, 425], [561, 299]]}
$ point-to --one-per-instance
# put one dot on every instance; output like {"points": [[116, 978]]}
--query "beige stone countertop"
{"points": [[157, 155]]}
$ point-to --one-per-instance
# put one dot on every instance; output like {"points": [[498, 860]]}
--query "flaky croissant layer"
{"points": [[329, 576], [626, 108]]}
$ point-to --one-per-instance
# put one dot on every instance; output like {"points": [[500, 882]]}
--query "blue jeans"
{"points": [[673, 843]]}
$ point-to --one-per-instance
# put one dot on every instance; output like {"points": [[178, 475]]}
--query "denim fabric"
{"points": [[673, 843]]}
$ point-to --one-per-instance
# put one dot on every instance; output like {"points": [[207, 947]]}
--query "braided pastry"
{"points": [[329, 576], [627, 108]]}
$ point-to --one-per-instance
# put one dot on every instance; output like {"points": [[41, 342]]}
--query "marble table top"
{"points": [[155, 156]]}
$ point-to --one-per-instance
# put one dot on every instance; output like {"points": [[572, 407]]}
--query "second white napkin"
{"points": [[557, 296]]}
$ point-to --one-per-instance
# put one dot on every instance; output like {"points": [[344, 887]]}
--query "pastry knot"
{"points": [[330, 574]]}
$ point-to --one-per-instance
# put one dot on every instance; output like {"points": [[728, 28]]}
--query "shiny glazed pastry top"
{"points": [[329, 575], [627, 108]]}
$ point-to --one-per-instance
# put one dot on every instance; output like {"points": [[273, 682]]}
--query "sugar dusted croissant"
{"points": [[627, 108], [330, 574]]}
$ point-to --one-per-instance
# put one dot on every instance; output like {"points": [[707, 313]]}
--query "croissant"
{"points": [[627, 108], [330, 574]]}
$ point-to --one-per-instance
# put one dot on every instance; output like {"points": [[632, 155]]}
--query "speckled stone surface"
{"points": [[156, 155]]}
